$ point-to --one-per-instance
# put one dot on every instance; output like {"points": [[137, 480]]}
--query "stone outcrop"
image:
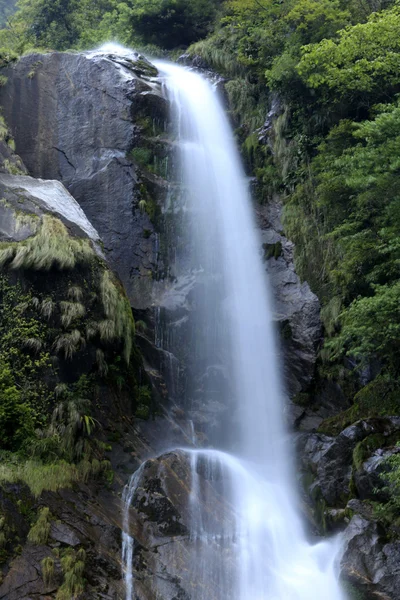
{"points": [[296, 307], [76, 118], [163, 523], [22, 195], [347, 472], [370, 562]]}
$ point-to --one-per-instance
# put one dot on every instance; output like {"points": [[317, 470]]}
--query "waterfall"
{"points": [[271, 558]]}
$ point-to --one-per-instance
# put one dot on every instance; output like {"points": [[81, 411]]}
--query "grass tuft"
{"points": [[69, 343], [71, 311], [119, 323], [47, 565], [52, 246], [40, 531]]}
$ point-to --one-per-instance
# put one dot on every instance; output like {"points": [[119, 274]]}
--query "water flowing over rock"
{"points": [[234, 332]]}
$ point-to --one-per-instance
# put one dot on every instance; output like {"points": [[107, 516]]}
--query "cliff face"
{"points": [[76, 118], [98, 125]]}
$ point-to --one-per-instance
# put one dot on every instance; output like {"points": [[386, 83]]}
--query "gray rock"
{"points": [[22, 194], [165, 528], [330, 459], [64, 534], [370, 563], [74, 118], [296, 307]]}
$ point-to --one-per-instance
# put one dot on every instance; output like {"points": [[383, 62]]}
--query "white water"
{"points": [[272, 558]]}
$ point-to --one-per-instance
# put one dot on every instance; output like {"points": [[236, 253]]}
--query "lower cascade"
{"points": [[246, 536]]}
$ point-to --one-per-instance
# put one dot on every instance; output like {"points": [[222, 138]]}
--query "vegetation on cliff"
{"points": [[330, 149], [64, 321]]}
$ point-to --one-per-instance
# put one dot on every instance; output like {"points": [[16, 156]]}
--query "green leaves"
{"points": [[364, 58]]}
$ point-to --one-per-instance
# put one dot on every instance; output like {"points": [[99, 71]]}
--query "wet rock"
{"points": [[369, 562], [296, 307], [64, 534], [330, 459], [75, 118], [169, 529], [23, 195]]}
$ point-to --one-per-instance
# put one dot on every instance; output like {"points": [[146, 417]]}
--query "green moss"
{"points": [[143, 402], [142, 156], [273, 250], [377, 399], [302, 399], [12, 167]]}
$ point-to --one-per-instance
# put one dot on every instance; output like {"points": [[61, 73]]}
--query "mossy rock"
{"points": [[379, 398]]}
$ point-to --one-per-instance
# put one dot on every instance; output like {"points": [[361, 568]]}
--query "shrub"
{"points": [[39, 533]]}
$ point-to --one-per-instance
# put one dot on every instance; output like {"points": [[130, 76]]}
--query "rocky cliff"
{"points": [[98, 125]]}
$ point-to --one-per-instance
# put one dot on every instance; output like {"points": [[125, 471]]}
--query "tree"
{"points": [[365, 59]]}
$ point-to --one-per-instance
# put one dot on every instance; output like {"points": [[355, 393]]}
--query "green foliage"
{"points": [[52, 246], [15, 415], [365, 58], [63, 24], [23, 361], [47, 565], [170, 23], [119, 323], [371, 327], [40, 531], [377, 399], [73, 567]]}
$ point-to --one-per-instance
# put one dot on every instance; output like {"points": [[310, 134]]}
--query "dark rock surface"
{"points": [[87, 517], [330, 459], [296, 307], [370, 562], [163, 527], [75, 118]]}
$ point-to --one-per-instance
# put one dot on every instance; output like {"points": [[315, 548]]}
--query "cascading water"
{"points": [[270, 557]]}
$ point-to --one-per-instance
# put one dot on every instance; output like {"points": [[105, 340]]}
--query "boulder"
{"points": [[330, 459], [370, 563], [177, 508], [24, 202]]}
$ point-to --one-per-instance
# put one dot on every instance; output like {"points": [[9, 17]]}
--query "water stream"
{"points": [[272, 557]]}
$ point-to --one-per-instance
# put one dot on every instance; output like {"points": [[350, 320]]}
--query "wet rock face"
{"points": [[166, 523], [369, 562], [296, 307], [76, 118], [348, 472], [330, 460]]}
